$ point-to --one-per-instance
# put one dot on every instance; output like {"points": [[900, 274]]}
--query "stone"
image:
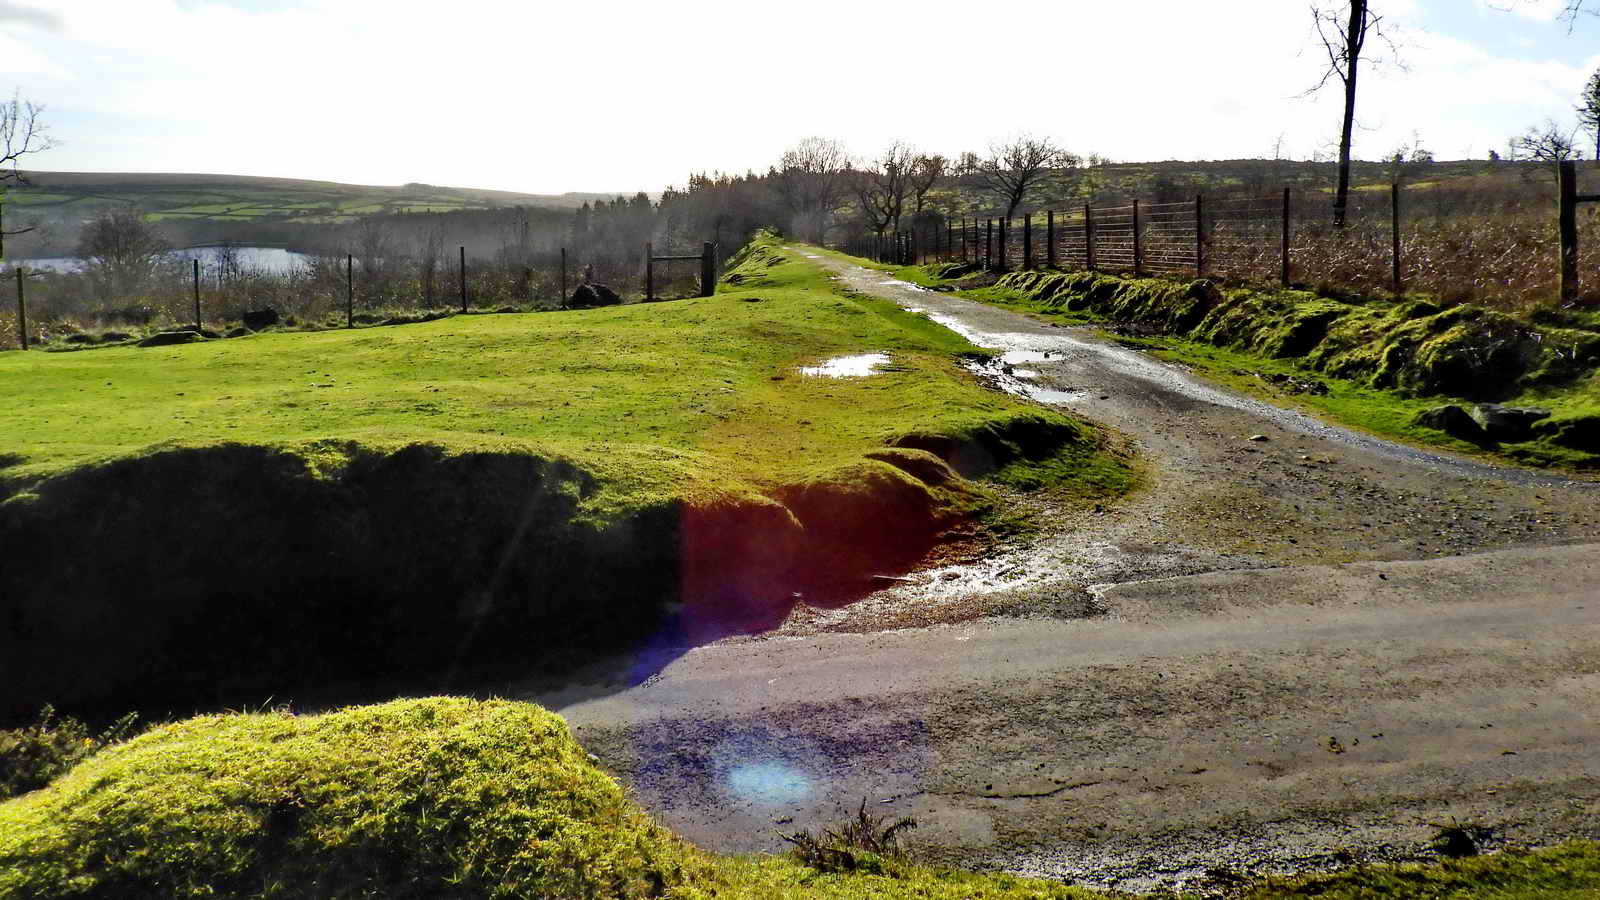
{"points": [[1452, 420], [588, 295], [1508, 423], [168, 338], [257, 319]]}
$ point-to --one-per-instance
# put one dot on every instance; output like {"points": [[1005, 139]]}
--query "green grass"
{"points": [[701, 394], [453, 797], [567, 478]]}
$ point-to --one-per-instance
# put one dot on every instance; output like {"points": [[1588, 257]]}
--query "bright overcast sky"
{"points": [[599, 95]]}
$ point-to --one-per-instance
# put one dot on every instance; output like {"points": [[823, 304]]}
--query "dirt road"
{"points": [[1055, 711]]}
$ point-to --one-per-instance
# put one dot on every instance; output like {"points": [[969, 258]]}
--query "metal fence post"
{"points": [[22, 311], [1088, 237], [1394, 233], [1199, 235], [1138, 255], [1050, 238], [1283, 276]]}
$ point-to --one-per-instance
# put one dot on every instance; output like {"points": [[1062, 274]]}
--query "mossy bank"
{"points": [[447, 797], [218, 522], [1376, 364]]}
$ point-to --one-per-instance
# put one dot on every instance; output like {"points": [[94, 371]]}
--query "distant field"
{"points": [[233, 198]]}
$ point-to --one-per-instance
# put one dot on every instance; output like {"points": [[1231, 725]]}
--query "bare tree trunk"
{"points": [[1354, 37]]}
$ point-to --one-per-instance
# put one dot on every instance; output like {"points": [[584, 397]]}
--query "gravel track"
{"points": [[1283, 653]]}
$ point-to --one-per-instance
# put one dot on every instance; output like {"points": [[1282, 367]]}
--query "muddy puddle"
{"points": [[858, 366]]}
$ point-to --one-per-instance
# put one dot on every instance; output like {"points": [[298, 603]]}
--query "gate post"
{"points": [[708, 269], [22, 311], [1567, 213], [1088, 237], [1138, 254]]}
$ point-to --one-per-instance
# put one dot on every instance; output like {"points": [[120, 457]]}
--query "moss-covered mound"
{"points": [[416, 798], [1413, 347]]}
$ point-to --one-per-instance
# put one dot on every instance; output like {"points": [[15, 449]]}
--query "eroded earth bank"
{"points": [[1295, 648]]}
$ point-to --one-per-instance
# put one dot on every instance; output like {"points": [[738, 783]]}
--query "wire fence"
{"points": [[210, 291], [1501, 249]]}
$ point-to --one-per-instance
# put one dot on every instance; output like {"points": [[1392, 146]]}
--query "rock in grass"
{"points": [[168, 338], [588, 295], [1452, 420], [1508, 423], [415, 798], [257, 319]]}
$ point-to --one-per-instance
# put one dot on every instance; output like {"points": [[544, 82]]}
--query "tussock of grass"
{"points": [[416, 798]]}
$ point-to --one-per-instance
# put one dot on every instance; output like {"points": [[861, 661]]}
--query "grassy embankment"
{"points": [[213, 523], [1381, 362], [461, 798]]}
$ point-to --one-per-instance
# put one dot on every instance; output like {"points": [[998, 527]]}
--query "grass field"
{"points": [[537, 486]]}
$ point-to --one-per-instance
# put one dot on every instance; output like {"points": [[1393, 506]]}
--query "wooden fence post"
{"points": [[1027, 242], [196, 262], [1088, 237], [349, 290], [463, 278], [708, 268], [1199, 235], [1138, 249], [1567, 216], [1050, 238], [1283, 274], [649, 272], [1394, 233], [22, 311]]}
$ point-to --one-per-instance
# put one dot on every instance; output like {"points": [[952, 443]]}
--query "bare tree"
{"points": [[1019, 166], [925, 173], [1589, 109], [813, 179], [21, 132], [882, 186], [430, 255], [1548, 142], [122, 253], [1343, 30]]}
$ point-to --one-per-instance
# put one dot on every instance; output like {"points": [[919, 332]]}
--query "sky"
{"points": [[599, 95]]}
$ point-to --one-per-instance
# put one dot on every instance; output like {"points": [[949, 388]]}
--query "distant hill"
{"points": [[166, 195], [202, 207]]}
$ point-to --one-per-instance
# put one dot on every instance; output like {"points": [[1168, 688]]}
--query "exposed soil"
{"points": [[1036, 716]]}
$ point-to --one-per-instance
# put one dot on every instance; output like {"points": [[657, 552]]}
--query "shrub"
{"points": [[34, 755]]}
